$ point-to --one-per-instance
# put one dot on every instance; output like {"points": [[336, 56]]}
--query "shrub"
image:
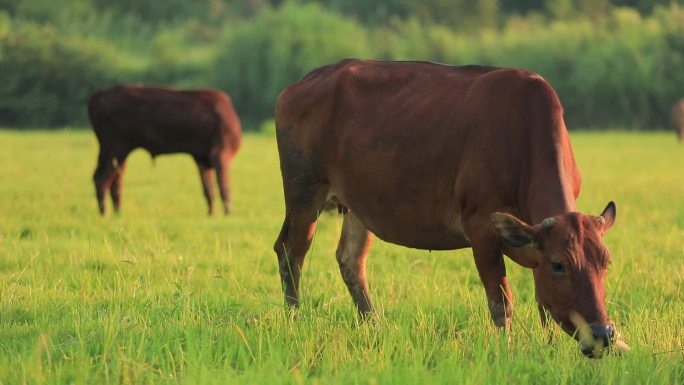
{"points": [[619, 69], [622, 71], [46, 79], [259, 58]]}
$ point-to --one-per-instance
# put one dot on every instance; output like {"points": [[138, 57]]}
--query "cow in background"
{"points": [[201, 123], [678, 118]]}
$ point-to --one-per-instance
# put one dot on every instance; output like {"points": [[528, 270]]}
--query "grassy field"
{"points": [[164, 294]]}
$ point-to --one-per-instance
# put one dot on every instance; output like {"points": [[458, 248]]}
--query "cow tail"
{"points": [[93, 103]]}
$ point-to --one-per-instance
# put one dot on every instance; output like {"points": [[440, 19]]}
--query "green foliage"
{"points": [[5, 24], [620, 72], [159, 11], [262, 56], [46, 78], [179, 56], [163, 294], [267, 127], [611, 66], [47, 10], [560, 9], [411, 40]]}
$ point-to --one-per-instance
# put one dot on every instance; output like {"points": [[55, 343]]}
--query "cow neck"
{"points": [[551, 189], [550, 197]]}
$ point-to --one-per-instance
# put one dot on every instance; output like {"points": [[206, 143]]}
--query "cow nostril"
{"points": [[603, 333], [589, 352]]}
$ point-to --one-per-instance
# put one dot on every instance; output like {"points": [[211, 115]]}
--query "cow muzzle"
{"points": [[598, 337]]}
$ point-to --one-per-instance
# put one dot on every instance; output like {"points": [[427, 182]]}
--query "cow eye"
{"points": [[557, 267]]}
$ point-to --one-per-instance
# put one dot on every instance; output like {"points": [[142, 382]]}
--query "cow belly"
{"points": [[404, 193], [158, 142], [440, 240], [426, 226], [426, 236]]}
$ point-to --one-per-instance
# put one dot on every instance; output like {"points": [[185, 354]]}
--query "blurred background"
{"points": [[614, 63]]}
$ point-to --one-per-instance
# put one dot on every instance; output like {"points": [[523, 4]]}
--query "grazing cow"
{"points": [[438, 157], [201, 123], [678, 118]]}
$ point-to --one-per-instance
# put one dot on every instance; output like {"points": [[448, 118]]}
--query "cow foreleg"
{"points": [[351, 255], [492, 270], [103, 177]]}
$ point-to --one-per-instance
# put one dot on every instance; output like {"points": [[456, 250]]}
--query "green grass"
{"points": [[164, 294]]}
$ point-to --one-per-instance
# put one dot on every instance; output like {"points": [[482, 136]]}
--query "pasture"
{"points": [[163, 294]]}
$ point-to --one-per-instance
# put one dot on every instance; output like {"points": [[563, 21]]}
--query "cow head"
{"points": [[569, 261]]}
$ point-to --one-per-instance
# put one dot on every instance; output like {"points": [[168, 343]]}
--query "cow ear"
{"points": [[608, 216], [513, 231], [520, 237]]}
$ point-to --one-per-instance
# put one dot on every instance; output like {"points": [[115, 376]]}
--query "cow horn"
{"points": [[548, 223]]}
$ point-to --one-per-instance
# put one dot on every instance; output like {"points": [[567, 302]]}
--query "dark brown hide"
{"points": [[422, 155], [678, 118], [201, 123]]}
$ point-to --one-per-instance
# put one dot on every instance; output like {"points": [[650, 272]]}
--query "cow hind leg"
{"points": [[352, 250], [205, 172], [103, 177], [294, 242], [117, 182]]}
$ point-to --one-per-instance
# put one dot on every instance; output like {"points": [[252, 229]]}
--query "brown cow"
{"points": [[678, 118], [438, 157], [201, 123]]}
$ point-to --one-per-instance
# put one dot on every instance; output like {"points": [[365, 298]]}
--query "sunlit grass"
{"points": [[165, 294]]}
